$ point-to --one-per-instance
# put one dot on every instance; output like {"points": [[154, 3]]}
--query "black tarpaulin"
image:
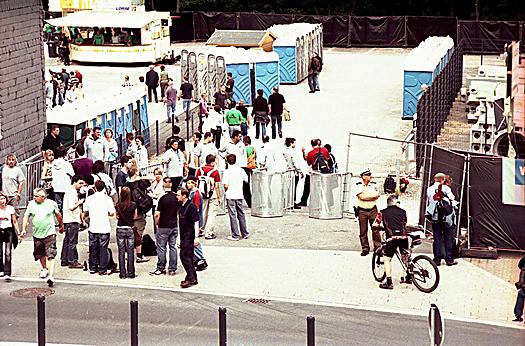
{"points": [[262, 21], [487, 37], [492, 223], [377, 31], [419, 28], [335, 28], [181, 28], [206, 23]]}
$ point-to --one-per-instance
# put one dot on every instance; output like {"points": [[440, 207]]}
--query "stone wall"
{"points": [[22, 103]]}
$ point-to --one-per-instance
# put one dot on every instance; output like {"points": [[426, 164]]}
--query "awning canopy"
{"points": [[90, 19]]}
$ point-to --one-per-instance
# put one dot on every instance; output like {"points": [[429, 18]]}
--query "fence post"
{"points": [[157, 137], [41, 320], [222, 326], [398, 176], [310, 330], [134, 309]]}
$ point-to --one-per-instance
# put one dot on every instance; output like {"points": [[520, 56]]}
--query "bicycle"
{"points": [[422, 269]]}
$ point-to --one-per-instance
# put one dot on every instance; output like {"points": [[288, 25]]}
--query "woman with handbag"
{"points": [[126, 212], [260, 114], [8, 226]]}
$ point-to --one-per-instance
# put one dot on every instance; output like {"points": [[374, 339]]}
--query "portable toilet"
{"points": [[267, 71]]}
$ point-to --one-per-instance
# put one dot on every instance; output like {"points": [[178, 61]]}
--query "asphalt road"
{"points": [[100, 316]]}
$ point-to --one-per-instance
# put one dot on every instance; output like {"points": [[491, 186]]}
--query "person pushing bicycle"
{"points": [[394, 221]]}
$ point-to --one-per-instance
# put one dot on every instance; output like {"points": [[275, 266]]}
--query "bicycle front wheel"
{"points": [[378, 266], [425, 274]]}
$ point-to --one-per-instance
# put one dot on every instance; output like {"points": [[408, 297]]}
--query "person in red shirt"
{"points": [[79, 76], [310, 158], [211, 204]]}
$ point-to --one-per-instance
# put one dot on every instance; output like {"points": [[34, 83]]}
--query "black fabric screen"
{"points": [[492, 223], [206, 23], [487, 37], [377, 31], [419, 28], [262, 21]]}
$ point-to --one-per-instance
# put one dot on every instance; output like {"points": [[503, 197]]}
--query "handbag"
{"points": [[286, 115]]}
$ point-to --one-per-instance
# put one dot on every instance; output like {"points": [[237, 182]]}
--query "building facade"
{"points": [[22, 103]]}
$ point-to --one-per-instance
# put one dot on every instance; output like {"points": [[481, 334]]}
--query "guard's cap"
{"points": [[366, 172]]}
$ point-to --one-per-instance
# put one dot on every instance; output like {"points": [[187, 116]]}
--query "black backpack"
{"points": [[148, 246], [321, 164], [389, 186], [143, 201]]}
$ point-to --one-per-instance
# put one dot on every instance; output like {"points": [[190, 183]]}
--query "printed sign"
{"points": [[513, 189]]}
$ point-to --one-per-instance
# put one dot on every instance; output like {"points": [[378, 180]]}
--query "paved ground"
{"points": [[361, 92], [176, 318]]}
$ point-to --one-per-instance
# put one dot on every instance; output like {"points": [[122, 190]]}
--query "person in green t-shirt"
{"points": [[234, 118], [98, 38], [42, 213]]}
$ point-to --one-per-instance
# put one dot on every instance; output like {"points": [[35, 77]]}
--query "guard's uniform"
{"points": [[367, 215]]}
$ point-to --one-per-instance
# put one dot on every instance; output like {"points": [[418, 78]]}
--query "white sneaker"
{"points": [[232, 238], [50, 281], [7, 278], [43, 273], [1, 274]]}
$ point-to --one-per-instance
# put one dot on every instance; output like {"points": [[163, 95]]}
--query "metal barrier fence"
{"points": [[272, 193], [434, 105], [386, 157], [327, 195]]}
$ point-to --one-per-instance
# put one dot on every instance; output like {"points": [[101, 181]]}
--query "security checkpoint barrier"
{"points": [[326, 195], [272, 193]]}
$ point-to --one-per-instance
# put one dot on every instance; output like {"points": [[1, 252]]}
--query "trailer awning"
{"points": [[91, 19]]}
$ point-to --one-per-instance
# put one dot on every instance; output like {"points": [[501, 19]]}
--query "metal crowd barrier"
{"points": [[272, 193], [326, 195]]}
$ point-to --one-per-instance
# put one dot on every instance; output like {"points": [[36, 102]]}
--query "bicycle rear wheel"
{"points": [[425, 274], [378, 266]]}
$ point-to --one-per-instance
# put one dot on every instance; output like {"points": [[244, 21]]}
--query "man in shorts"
{"points": [[42, 213]]}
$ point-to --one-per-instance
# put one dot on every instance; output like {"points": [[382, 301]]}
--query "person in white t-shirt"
{"points": [[207, 148], [72, 217], [8, 227], [175, 163], [100, 208], [233, 180], [193, 159]]}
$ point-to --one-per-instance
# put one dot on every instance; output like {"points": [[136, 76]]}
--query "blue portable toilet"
{"points": [[267, 71]]}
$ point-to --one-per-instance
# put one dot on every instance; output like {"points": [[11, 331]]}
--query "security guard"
{"points": [[367, 195]]}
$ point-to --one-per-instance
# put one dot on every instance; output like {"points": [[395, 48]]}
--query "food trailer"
{"points": [[117, 36]]}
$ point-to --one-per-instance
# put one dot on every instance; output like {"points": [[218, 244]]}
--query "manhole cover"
{"points": [[258, 301], [32, 292]]}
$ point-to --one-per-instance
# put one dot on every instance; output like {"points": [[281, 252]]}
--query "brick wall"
{"points": [[22, 104]]}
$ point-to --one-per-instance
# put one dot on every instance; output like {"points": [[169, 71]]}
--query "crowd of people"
{"points": [[63, 87]]}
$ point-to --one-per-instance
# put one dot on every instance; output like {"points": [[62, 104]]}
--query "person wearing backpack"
{"points": [[317, 160], [139, 194], [441, 215], [208, 180]]}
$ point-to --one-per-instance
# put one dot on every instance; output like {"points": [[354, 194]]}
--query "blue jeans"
{"points": [[244, 129], [260, 128], [126, 244], [520, 300], [69, 253], [186, 104], [197, 253], [236, 214], [59, 198], [98, 251], [6, 237], [166, 237], [170, 110], [443, 237], [277, 120], [313, 81]]}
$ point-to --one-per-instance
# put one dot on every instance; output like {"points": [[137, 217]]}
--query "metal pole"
{"points": [[134, 305], [398, 177], [348, 153], [41, 319], [432, 325], [310, 330], [222, 326], [157, 136]]}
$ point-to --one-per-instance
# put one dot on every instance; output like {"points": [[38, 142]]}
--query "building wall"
{"points": [[22, 103]]}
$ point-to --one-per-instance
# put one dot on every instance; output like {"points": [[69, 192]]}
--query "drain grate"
{"points": [[258, 301], [32, 292]]}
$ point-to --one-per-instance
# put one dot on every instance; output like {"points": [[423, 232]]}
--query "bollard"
{"points": [[134, 305], [310, 330], [222, 326], [41, 320]]}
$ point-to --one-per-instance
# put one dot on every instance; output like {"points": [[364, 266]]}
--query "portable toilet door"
{"points": [[242, 88], [299, 59], [266, 76], [120, 129], [306, 55], [128, 119], [220, 71], [110, 121], [202, 75], [287, 65], [212, 77], [184, 64], [192, 63], [143, 123]]}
